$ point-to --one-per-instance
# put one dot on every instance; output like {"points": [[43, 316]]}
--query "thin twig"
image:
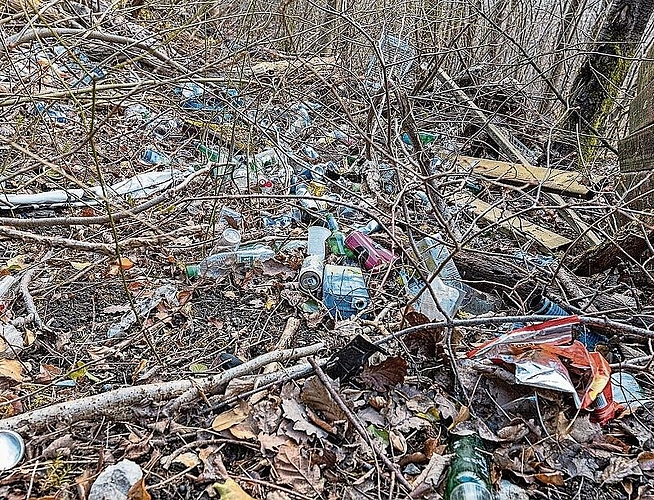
{"points": [[357, 425]]}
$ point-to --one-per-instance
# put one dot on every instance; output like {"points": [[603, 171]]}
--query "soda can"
{"points": [[12, 449], [230, 239], [310, 277], [370, 254], [265, 185]]}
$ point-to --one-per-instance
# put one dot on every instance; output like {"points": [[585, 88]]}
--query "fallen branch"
{"points": [[37, 34], [118, 404], [58, 241]]}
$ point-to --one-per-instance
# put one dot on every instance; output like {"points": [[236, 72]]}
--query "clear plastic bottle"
{"points": [[217, 265]]}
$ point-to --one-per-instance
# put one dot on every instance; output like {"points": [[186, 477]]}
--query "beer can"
{"points": [[370, 254], [311, 273], [229, 239]]}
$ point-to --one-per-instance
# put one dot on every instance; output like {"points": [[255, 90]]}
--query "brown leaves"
{"points": [[388, 373], [12, 370], [317, 397], [230, 490], [298, 471], [231, 417], [138, 491]]}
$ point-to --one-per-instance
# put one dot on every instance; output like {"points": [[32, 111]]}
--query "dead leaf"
{"points": [[513, 433], [214, 469], [317, 397], [123, 263], [188, 459], [297, 471], [294, 412], [432, 474], [138, 491], [272, 267], [17, 263], [60, 447], [47, 373], [550, 478], [388, 373], [80, 266], [231, 417], [138, 447], [646, 461], [10, 404], [83, 484], [269, 442], [619, 468], [11, 369], [245, 430], [462, 416], [230, 490], [398, 442]]}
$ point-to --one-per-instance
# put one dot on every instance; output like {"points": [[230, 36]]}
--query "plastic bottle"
{"points": [[336, 240], [469, 474], [448, 297], [7, 283], [218, 264]]}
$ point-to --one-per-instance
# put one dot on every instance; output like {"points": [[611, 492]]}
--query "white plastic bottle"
{"points": [[217, 265]]}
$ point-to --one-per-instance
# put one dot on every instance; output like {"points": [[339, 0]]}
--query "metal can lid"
{"points": [[12, 449]]}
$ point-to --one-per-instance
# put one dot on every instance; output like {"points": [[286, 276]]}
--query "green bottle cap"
{"points": [[192, 271]]}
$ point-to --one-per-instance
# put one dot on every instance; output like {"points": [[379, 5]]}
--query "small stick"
{"points": [[357, 425], [209, 387]]}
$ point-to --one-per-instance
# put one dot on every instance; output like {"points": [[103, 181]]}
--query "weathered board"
{"points": [[508, 222], [551, 179], [646, 72], [641, 109], [636, 151]]}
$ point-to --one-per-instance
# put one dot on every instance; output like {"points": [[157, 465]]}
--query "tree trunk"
{"points": [[603, 72]]}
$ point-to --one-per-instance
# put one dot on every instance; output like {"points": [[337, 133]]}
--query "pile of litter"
{"points": [[210, 290]]}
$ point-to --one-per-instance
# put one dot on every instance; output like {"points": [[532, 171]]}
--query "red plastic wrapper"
{"points": [[543, 354]]}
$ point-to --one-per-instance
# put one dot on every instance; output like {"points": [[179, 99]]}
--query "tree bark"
{"points": [[603, 72]]}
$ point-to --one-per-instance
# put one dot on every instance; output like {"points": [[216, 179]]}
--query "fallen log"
{"points": [[490, 273]]}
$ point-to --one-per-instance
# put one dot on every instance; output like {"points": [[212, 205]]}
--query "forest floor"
{"points": [[113, 359]]}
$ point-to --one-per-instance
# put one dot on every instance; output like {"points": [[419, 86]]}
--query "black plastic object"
{"points": [[347, 362], [228, 360]]}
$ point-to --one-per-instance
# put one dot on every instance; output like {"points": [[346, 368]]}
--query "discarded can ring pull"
{"points": [[12, 449]]}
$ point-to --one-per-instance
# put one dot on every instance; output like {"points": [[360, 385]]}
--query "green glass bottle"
{"points": [[336, 240], [469, 474]]}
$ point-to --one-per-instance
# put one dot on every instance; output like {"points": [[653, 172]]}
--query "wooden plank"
{"points": [[576, 223], [513, 224], [496, 134], [637, 151], [551, 179], [646, 72], [641, 109]]}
